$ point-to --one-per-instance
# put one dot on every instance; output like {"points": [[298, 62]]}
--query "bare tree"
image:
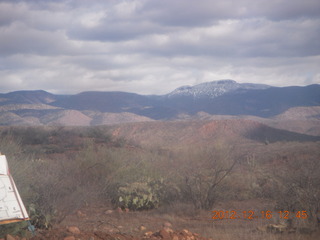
{"points": [[297, 187], [203, 171]]}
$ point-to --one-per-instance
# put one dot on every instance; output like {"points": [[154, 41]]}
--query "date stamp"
{"points": [[251, 214]]}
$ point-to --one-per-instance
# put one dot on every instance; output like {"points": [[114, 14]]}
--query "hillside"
{"points": [[299, 119], [78, 172], [180, 133], [304, 120]]}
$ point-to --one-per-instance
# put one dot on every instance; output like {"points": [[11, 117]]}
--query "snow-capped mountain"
{"points": [[213, 89], [224, 97]]}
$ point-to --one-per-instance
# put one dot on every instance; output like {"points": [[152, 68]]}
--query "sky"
{"points": [[155, 46]]}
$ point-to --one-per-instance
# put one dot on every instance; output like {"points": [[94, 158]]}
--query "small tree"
{"points": [[297, 187], [203, 171]]}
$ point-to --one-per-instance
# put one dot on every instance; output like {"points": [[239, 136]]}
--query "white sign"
{"points": [[11, 205]]}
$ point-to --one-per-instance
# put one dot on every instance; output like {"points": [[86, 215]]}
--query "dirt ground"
{"points": [[179, 222], [102, 222]]}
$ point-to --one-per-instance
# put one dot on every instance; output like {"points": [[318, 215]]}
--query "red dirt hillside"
{"points": [[203, 132]]}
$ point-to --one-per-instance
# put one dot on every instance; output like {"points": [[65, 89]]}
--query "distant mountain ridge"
{"points": [[27, 97], [224, 97], [213, 89]]}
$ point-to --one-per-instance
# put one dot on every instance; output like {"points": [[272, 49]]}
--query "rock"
{"points": [[142, 228], [276, 228], [186, 232], [175, 237], [108, 212], [119, 210], [148, 234], [164, 234], [69, 238], [9, 237], [168, 227], [126, 210], [102, 235], [169, 230], [74, 230]]}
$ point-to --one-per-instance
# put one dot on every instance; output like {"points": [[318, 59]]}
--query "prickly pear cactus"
{"points": [[139, 196]]}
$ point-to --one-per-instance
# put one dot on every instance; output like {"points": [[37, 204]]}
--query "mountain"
{"points": [[225, 98], [103, 101], [233, 99], [28, 97], [263, 102], [213, 89]]}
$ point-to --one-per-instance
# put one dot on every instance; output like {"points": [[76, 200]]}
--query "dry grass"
{"points": [[64, 169]]}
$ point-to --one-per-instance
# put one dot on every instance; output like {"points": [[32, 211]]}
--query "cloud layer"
{"points": [[152, 47]]}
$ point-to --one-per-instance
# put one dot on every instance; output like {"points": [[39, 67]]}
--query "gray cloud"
{"points": [[152, 47]]}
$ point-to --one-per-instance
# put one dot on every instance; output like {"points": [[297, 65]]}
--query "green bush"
{"points": [[15, 229], [39, 219], [142, 195]]}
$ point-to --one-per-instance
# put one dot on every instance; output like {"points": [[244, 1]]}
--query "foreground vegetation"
{"points": [[58, 170]]}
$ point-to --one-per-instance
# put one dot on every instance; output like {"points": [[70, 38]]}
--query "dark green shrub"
{"points": [[15, 229]]}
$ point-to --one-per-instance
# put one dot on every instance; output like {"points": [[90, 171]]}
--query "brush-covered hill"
{"points": [[179, 133]]}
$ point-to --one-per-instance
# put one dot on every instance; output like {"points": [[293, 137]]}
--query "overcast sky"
{"points": [[155, 46]]}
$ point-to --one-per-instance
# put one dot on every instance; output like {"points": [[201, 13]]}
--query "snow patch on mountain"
{"points": [[213, 89]]}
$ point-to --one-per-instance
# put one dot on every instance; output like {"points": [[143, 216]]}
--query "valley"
{"points": [[77, 174], [114, 165]]}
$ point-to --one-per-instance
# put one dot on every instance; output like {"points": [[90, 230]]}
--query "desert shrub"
{"points": [[139, 196], [63, 185], [53, 188], [47, 191], [15, 229], [296, 187], [28, 135], [98, 133], [138, 181], [119, 142], [50, 189], [10, 145], [144, 195], [202, 171], [20, 168]]}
